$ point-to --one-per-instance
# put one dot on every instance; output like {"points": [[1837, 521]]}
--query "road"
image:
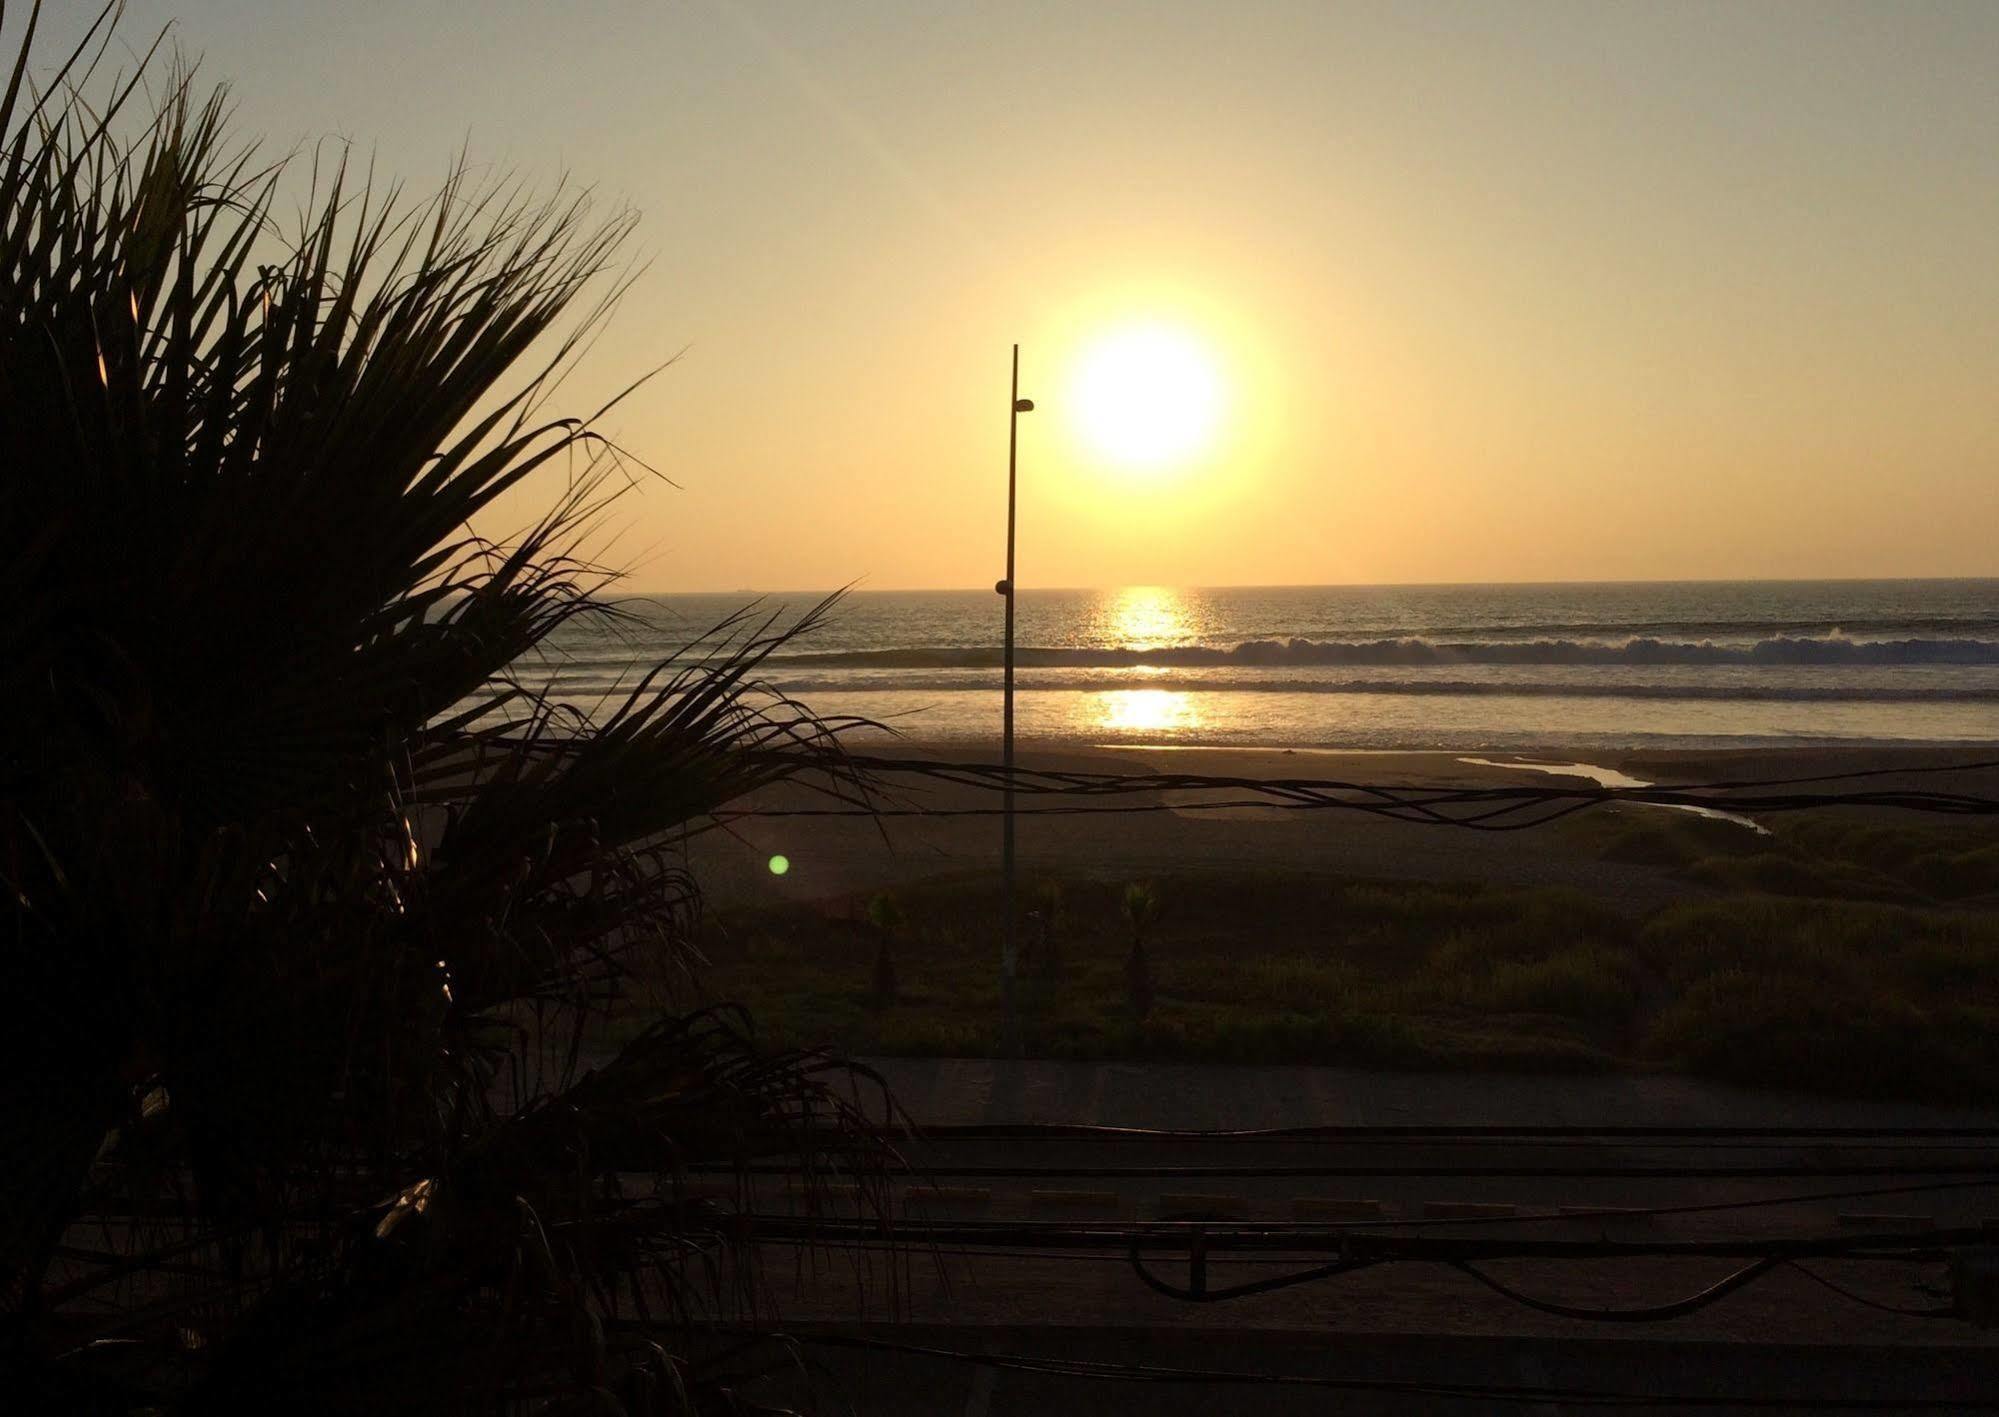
{"points": [[1017, 1243]]}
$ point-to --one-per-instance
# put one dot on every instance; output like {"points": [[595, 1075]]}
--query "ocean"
{"points": [[1456, 667]]}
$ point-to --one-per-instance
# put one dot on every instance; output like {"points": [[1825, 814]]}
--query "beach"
{"points": [[1849, 950], [1608, 684], [842, 856]]}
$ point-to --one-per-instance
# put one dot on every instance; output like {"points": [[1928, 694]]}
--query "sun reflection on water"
{"points": [[1145, 617], [1147, 711]]}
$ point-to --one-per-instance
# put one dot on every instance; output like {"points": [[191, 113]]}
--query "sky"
{"points": [[1471, 291]]}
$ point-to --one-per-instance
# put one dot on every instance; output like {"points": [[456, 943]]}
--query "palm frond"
{"points": [[308, 903]]}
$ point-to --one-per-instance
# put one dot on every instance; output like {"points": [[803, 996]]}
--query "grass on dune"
{"points": [[1814, 854], [1843, 956], [1246, 967], [1832, 995]]}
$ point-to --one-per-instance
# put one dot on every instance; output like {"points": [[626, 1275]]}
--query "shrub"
{"points": [[1771, 1030], [1589, 984], [1320, 986], [885, 914], [1141, 908]]}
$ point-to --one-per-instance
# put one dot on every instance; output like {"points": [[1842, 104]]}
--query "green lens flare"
{"points": [[779, 865]]}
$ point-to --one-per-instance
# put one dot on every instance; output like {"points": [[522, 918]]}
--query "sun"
{"points": [[1147, 396]]}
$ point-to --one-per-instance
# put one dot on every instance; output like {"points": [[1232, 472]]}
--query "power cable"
{"points": [[1653, 1313], [1477, 808], [1935, 1311], [1467, 1392], [1634, 1213]]}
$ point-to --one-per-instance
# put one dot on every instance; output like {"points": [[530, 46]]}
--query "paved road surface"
{"points": [[1784, 1339], [942, 1090]]}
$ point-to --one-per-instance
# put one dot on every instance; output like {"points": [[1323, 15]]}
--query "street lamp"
{"points": [[1009, 952]]}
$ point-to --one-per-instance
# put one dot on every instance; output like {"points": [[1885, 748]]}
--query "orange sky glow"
{"points": [[1436, 292]]}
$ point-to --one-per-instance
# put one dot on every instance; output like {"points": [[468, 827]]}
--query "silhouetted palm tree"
{"points": [[885, 914], [1046, 921], [1141, 908], [308, 904]]}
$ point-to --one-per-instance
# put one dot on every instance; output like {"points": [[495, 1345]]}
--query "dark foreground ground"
{"points": [[1295, 1373], [1490, 1157], [1631, 969]]}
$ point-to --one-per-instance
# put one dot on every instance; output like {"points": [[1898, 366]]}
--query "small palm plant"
{"points": [[1141, 908], [885, 914], [1048, 920], [311, 907]]}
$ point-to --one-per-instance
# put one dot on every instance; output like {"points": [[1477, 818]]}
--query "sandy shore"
{"points": [[835, 857]]}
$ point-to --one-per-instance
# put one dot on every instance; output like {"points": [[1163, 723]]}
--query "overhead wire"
{"points": [[1464, 1391], [1928, 1311], [1490, 808], [1091, 1131], [1767, 1171], [1651, 1313], [1624, 1213], [1207, 1242]]}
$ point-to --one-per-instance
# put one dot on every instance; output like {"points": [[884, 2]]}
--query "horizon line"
{"points": [[858, 588]]}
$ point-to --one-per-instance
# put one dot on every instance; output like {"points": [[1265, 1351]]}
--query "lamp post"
{"points": [[1009, 951]]}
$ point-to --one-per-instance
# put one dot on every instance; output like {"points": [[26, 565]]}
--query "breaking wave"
{"points": [[1277, 684], [1640, 650], [975, 680]]}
